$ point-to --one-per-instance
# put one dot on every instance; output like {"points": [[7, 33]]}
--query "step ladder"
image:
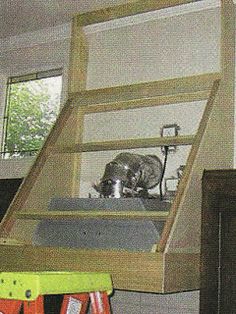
{"points": [[78, 289]]}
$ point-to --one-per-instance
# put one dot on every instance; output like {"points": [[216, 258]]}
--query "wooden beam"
{"points": [[130, 144], [148, 102], [95, 214], [124, 10], [178, 87], [78, 59]]}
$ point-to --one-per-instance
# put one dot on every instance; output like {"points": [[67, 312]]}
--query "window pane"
{"points": [[32, 109]]}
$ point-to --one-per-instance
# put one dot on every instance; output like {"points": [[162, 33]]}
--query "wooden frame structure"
{"points": [[174, 265]]}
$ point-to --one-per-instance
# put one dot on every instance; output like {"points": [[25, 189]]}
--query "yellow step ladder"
{"points": [[28, 289]]}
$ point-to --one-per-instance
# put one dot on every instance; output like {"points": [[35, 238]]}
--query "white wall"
{"points": [[166, 48], [176, 46], [31, 53]]}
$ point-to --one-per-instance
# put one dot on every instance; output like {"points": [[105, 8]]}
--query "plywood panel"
{"points": [[130, 271], [181, 271]]}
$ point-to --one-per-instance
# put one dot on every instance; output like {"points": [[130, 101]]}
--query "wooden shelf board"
{"points": [[170, 90], [130, 144], [147, 102], [57, 215]]}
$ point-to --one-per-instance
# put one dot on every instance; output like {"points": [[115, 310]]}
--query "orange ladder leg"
{"points": [[34, 307], [100, 303], [75, 303], [10, 306]]}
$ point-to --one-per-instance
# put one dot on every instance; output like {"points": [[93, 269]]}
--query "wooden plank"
{"points": [[187, 87], [78, 59], [128, 9], [130, 143], [188, 172], [10, 241], [148, 102], [181, 272], [137, 271], [57, 215]]}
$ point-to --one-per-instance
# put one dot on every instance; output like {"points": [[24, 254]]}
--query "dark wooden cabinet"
{"points": [[8, 189], [218, 244]]}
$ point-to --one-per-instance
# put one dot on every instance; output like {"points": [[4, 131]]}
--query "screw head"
{"points": [[28, 294]]}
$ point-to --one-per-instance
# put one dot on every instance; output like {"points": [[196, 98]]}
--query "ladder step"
{"points": [[28, 286]]}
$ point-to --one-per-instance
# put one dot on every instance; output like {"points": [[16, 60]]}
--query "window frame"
{"points": [[21, 79]]}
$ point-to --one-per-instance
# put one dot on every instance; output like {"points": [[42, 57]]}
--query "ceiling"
{"points": [[20, 16]]}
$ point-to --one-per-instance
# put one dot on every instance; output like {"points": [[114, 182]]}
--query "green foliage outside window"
{"points": [[32, 109]]}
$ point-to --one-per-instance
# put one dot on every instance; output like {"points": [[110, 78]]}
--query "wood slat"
{"points": [[148, 102], [130, 144], [148, 91], [128, 9], [57, 215], [10, 241]]}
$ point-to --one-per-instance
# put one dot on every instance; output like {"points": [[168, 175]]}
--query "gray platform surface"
{"points": [[129, 235]]}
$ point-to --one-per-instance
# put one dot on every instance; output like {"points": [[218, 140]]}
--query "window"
{"points": [[33, 103]]}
